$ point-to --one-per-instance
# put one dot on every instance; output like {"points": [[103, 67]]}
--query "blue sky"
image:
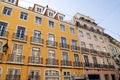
{"points": [[105, 12]]}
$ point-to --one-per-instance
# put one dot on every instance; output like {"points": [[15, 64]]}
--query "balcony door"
{"points": [[34, 75], [95, 61], [13, 74], [17, 52], [37, 36], [74, 43], [63, 41], [3, 27], [76, 57], [51, 39], [20, 32], [65, 58], [86, 60], [51, 56]]}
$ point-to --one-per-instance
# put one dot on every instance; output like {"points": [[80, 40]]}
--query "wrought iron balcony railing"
{"points": [[77, 64], [50, 61], [51, 43], [64, 46], [34, 77], [19, 37], [75, 48], [37, 40], [12, 77], [35, 60], [84, 50], [4, 34], [66, 63], [16, 58]]}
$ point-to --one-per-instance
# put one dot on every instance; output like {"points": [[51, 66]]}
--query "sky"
{"points": [[106, 13]]}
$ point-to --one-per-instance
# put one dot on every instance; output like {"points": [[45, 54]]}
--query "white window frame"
{"points": [[38, 20], [81, 33], [35, 70], [23, 15], [72, 31], [88, 35], [51, 24], [1, 72], [62, 27], [68, 76], [8, 11]]}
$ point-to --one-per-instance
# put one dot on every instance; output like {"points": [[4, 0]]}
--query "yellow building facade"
{"points": [[41, 45]]}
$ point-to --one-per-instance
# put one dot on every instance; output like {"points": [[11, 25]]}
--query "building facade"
{"points": [[114, 46], [98, 63], [41, 45]]}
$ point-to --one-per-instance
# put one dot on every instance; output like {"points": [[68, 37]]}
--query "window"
{"points": [[88, 35], [3, 27], [91, 46], [0, 73], [51, 75], [13, 74], [51, 24], [17, 49], [80, 33], [83, 44], [74, 43], [98, 48], [66, 75], [86, 60], [1, 46], [37, 37], [72, 30], [101, 39], [95, 60], [50, 14], [34, 75], [76, 57], [63, 42], [62, 27], [60, 18], [95, 37], [64, 56], [113, 76], [102, 60], [35, 51], [106, 77], [7, 11], [11, 1], [20, 33], [39, 10], [51, 54], [23, 15], [104, 49], [108, 61], [38, 20]]}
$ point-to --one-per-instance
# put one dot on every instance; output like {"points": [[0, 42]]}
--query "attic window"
{"points": [[50, 14], [11, 1], [60, 18], [39, 10]]}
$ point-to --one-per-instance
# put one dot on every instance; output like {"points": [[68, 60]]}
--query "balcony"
{"points": [[3, 34], [66, 63], [34, 77], [100, 53], [1, 56], [35, 60], [84, 50], [12, 77], [107, 54], [75, 48], [52, 62], [104, 66], [38, 41], [19, 37], [51, 43], [92, 51], [87, 64], [77, 64], [13, 58], [64, 46], [111, 66]]}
